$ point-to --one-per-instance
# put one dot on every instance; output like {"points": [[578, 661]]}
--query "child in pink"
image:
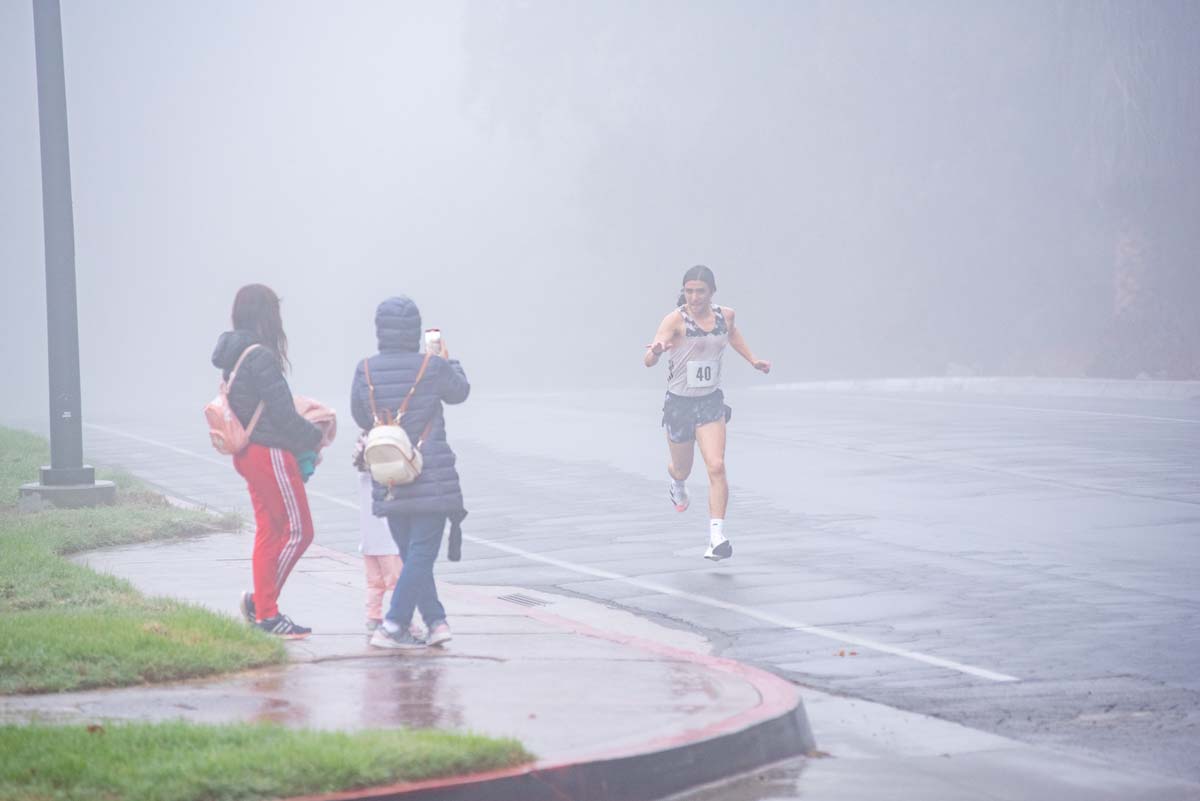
{"points": [[381, 557]]}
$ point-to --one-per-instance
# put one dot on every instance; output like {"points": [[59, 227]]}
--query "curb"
{"points": [[776, 728], [635, 777]]}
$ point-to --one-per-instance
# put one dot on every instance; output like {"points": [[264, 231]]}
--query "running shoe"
{"points": [[247, 607], [282, 626], [396, 640], [439, 633], [719, 551], [679, 497]]}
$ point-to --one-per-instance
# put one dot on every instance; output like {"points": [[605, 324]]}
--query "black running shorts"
{"points": [[681, 415]]}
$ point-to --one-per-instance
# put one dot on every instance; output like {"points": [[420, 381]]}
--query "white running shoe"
{"points": [[439, 633], [679, 497], [398, 640], [718, 551]]}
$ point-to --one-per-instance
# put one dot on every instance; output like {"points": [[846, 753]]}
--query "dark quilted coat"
{"points": [[261, 378], [393, 371]]}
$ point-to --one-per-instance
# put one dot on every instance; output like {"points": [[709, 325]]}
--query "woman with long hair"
{"points": [[695, 335], [280, 455]]}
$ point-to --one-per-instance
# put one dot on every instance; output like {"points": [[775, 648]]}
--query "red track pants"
{"points": [[283, 524]]}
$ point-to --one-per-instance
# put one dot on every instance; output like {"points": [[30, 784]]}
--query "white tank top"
{"points": [[694, 367]]}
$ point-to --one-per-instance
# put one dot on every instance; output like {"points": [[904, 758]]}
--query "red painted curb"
{"points": [[773, 729]]}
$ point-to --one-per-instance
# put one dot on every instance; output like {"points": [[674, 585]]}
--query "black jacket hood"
{"points": [[230, 346]]}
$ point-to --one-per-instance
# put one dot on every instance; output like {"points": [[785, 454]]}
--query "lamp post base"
{"points": [[35, 497], [67, 476]]}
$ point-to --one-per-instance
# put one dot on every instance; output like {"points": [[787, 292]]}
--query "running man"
{"points": [[696, 334]]}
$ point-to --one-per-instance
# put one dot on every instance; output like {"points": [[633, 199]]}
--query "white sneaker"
{"points": [[400, 640], [439, 633], [679, 497], [718, 551]]}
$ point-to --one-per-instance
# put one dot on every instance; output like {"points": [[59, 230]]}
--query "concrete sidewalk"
{"points": [[613, 706]]}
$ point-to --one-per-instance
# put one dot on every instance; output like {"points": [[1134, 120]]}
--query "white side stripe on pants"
{"points": [[288, 556]]}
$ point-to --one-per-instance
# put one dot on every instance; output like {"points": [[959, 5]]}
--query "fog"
{"points": [[881, 189]]}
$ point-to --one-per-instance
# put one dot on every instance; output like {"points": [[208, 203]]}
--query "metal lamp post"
{"points": [[67, 481]]}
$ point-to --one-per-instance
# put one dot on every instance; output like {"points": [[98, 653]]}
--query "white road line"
{"points": [[704, 600], [225, 462], [766, 617], [1001, 406]]}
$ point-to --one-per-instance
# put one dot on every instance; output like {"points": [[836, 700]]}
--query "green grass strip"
{"points": [[64, 627], [179, 762]]}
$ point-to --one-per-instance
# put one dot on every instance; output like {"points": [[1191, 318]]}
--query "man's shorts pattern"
{"points": [[681, 415]]}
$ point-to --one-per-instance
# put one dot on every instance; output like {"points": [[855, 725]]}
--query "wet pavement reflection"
{"points": [[507, 672]]}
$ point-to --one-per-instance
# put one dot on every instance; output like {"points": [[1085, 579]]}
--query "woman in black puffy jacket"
{"points": [[416, 512], [281, 441]]}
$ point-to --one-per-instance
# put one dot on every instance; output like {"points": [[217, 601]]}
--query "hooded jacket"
{"points": [[260, 378], [393, 371]]}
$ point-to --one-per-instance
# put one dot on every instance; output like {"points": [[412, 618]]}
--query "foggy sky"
{"points": [[881, 189]]}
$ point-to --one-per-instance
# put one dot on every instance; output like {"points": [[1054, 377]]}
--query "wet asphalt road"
{"points": [[1026, 566]]}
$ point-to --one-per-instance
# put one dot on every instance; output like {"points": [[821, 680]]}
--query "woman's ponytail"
{"points": [[697, 273]]}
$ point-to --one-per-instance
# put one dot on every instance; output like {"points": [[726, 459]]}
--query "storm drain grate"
{"points": [[523, 600]]}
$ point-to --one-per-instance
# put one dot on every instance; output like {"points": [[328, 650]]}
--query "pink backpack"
{"points": [[224, 429]]}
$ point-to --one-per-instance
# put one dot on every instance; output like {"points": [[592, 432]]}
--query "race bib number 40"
{"points": [[703, 374]]}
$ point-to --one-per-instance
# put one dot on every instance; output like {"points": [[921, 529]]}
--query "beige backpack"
{"points": [[389, 453]]}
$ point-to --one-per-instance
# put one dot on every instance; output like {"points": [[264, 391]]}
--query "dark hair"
{"points": [[697, 273], [256, 309]]}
